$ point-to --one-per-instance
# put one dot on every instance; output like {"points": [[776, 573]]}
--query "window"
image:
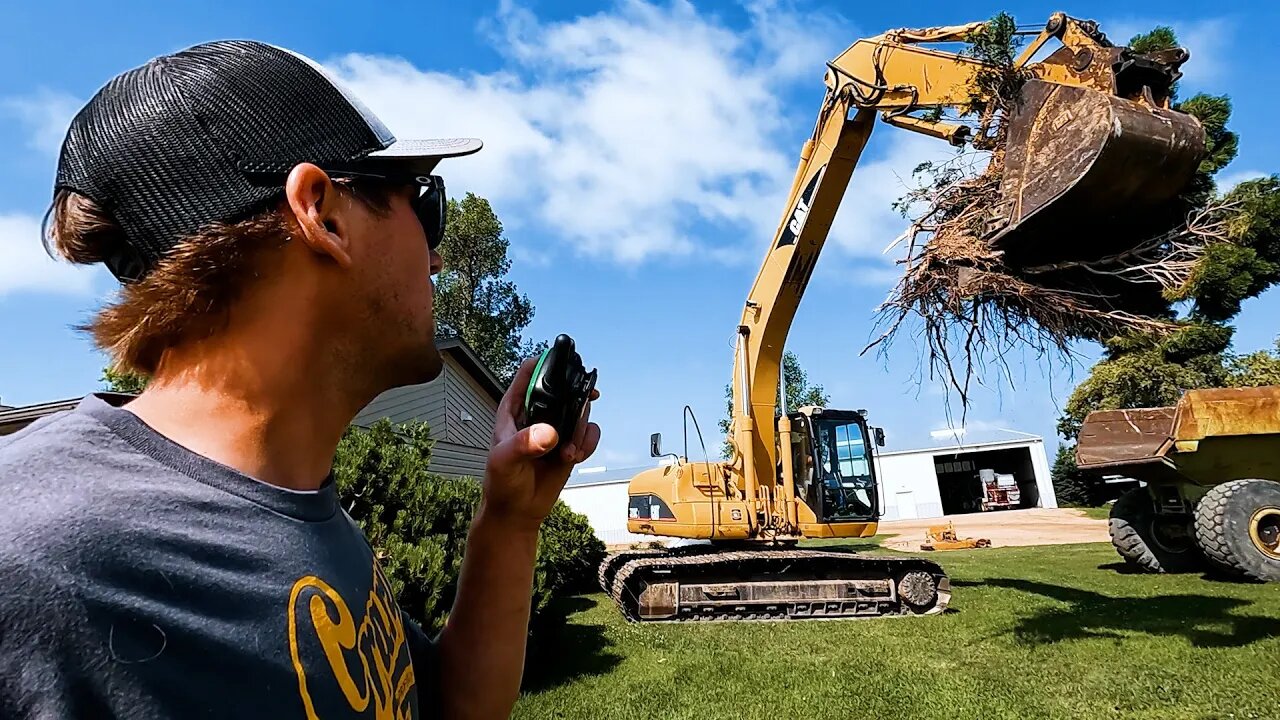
{"points": [[847, 483]]}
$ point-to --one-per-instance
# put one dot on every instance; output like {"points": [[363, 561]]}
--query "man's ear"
{"points": [[318, 207]]}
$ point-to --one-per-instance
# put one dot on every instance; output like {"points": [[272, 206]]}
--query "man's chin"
{"points": [[414, 367], [425, 366]]}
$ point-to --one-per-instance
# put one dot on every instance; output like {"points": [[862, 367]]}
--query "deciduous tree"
{"points": [[474, 298]]}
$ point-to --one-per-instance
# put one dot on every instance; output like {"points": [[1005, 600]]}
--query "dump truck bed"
{"points": [[1210, 436]]}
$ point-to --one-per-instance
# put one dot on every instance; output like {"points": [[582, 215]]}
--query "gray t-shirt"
{"points": [[141, 580]]}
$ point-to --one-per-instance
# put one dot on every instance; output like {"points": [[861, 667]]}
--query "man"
{"points": [[184, 555]]}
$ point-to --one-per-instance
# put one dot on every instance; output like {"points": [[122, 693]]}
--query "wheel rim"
{"points": [[1264, 531]]}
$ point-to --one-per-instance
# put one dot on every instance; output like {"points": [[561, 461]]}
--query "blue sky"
{"points": [[638, 155]]}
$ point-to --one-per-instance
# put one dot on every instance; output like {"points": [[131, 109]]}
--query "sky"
{"points": [[638, 155]]}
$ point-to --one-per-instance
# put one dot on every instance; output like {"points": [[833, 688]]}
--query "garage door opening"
{"points": [[960, 479]]}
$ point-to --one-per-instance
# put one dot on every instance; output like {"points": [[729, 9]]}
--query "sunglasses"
{"points": [[430, 204]]}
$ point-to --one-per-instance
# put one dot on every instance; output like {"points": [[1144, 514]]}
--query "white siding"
{"points": [[463, 393], [1044, 481], [458, 460], [908, 477], [461, 445], [425, 402]]}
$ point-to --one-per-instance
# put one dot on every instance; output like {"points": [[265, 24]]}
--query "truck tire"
{"points": [[1152, 542], [1238, 528]]}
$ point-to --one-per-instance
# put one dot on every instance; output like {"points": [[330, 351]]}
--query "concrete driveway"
{"points": [[1004, 528]]}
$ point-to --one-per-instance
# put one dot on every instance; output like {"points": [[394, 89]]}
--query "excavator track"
{"points": [[609, 566], [708, 584]]}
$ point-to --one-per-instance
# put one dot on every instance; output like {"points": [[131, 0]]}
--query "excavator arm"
{"points": [[892, 75]]}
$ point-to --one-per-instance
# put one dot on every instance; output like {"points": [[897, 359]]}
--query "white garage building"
{"points": [[929, 482]]}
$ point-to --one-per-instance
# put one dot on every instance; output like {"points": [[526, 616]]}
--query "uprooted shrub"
{"points": [[417, 523], [974, 304]]}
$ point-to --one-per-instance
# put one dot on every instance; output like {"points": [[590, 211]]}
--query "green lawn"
{"points": [[1044, 632]]}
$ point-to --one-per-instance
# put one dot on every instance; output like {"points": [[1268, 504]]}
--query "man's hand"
{"points": [[483, 643], [522, 477]]}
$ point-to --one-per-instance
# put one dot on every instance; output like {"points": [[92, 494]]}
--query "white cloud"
{"points": [[971, 426], [25, 266], [1228, 180], [46, 114], [1209, 42], [612, 459], [880, 276], [975, 431], [625, 132]]}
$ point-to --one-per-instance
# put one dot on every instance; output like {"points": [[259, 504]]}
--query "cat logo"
{"points": [[800, 213]]}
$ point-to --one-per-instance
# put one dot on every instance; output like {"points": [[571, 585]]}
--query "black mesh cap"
{"points": [[191, 138]]}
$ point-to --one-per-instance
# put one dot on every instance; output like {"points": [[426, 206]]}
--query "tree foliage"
{"points": [[417, 523], [123, 381], [474, 299], [998, 84], [1257, 369], [1069, 488], [1160, 37], [800, 392]]}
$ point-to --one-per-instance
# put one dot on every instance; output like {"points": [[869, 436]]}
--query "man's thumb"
{"points": [[533, 441]]}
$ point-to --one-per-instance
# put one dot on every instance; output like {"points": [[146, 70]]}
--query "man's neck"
{"points": [[267, 419]]}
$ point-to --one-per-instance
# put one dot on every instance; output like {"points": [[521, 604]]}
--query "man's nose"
{"points": [[437, 262]]}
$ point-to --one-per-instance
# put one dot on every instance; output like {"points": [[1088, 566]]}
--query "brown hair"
{"points": [[188, 292]]}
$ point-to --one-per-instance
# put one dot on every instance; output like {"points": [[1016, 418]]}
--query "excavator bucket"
{"points": [[1083, 167]]}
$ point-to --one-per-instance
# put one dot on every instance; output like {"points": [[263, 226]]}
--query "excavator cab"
{"points": [[834, 473]]}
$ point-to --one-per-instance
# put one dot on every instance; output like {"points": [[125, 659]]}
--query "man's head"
{"points": [[236, 190]]}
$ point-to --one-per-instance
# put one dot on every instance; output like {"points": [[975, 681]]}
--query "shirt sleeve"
{"points": [[425, 655]]}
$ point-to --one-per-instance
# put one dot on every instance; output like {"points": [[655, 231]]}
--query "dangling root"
{"points": [[975, 308]]}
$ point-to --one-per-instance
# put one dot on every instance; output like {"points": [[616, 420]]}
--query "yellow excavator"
{"points": [[1091, 137]]}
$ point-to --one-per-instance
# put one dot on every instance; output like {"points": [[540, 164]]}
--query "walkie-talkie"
{"points": [[559, 390]]}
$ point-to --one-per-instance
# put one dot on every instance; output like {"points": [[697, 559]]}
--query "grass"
{"points": [[1044, 632]]}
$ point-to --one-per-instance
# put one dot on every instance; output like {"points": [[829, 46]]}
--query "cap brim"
{"points": [[428, 149]]}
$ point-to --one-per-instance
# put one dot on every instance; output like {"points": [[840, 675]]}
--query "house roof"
{"points": [[13, 419], [459, 350], [21, 416], [605, 476]]}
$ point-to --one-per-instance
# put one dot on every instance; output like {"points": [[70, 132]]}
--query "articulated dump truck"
{"points": [[1209, 466]]}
